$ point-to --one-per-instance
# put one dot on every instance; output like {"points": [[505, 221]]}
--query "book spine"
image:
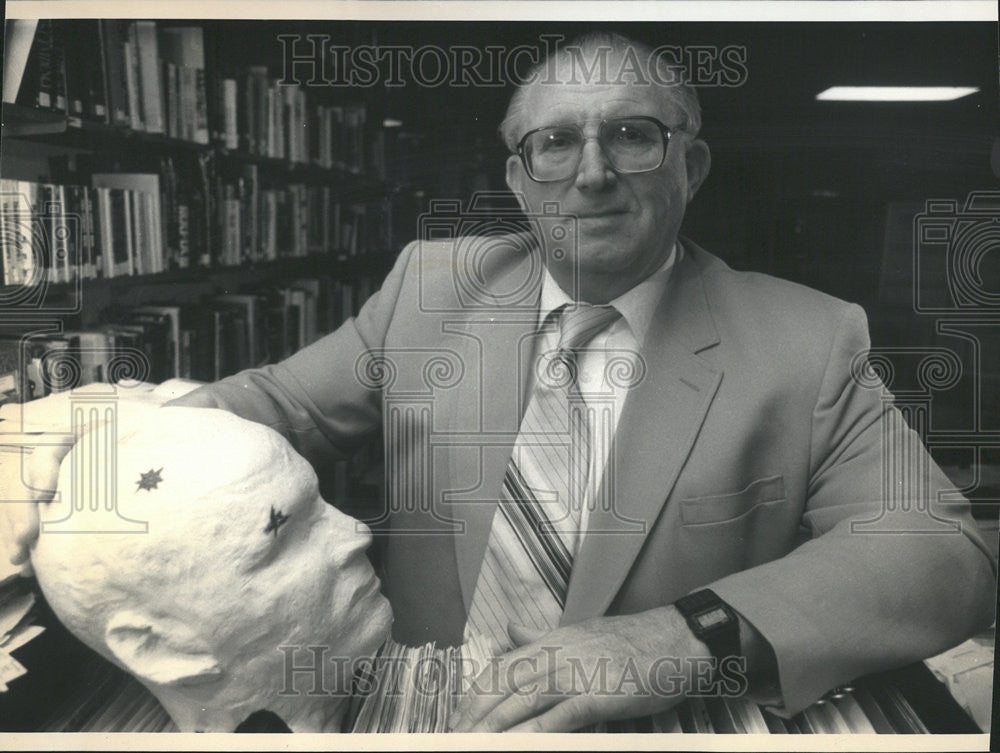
{"points": [[188, 105], [200, 107], [88, 236], [132, 79], [150, 83], [104, 231], [246, 110], [263, 112], [183, 235], [65, 237], [68, 39], [43, 58], [173, 103], [113, 44], [168, 213], [229, 110], [96, 104], [121, 234], [270, 147], [8, 231]]}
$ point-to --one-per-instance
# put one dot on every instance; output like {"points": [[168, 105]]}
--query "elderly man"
{"points": [[619, 456]]}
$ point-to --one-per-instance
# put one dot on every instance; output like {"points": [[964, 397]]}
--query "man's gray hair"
{"points": [[668, 76]]}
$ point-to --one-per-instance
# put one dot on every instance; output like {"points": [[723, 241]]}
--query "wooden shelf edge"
{"points": [[21, 121], [55, 128], [334, 265]]}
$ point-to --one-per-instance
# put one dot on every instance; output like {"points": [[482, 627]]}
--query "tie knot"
{"points": [[580, 322]]}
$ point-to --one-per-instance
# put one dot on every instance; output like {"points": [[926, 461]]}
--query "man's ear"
{"points": [[698, 160], [162, 653], [515, 180]]}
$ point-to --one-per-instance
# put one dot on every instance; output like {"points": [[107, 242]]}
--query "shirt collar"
{"points": [[636, 305]]}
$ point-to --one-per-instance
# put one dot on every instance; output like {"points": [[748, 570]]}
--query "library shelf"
{"points": [[22, 121], [56, 129]]}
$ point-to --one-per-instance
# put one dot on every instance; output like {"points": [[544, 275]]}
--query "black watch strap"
{"points": [[713, 621]]}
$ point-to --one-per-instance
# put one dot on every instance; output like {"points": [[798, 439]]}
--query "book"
{"points": [[119, 237], [94, 351], [70, 41], [171, 316], [150, 84], [247, 309], [184, 47], [94, 63], [12, 387], [230, 133], [158, 344], [43, 83], [148, 218], [112, 44], [132, 77]]}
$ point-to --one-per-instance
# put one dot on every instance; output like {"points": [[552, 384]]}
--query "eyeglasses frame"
{"points": [[665, 130]]}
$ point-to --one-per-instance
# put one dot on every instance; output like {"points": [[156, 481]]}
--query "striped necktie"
{"points": [[536, 527]]}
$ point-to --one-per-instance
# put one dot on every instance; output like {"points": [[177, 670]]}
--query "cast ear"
{"points": [[158, 652]]}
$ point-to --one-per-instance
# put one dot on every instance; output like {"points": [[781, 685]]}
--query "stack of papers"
{"points": [[16, 625]]}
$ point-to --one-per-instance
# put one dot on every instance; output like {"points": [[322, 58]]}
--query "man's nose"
{"points": [[594, 170]]}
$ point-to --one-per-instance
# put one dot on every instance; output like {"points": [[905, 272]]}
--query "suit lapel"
{"points": [[660, 421]]}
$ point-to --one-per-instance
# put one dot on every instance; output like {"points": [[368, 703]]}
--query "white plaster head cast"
{"points": [[242, 556]]}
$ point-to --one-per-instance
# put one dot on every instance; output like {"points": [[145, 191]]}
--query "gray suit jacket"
{"points": [[747, 459]]}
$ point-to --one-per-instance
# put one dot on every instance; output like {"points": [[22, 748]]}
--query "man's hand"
{"points": [[602, 669], [19, 520]]}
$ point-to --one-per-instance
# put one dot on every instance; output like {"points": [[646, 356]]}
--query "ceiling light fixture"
{"points": [[895, 93]]}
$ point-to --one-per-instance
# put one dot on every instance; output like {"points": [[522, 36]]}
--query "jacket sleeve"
{"points": [[324, 398], [895, 569]]}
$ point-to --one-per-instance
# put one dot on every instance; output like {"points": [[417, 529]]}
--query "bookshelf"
{"points": [[180, 169]]}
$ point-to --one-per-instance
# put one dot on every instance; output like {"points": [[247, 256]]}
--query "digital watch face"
{"points": [[708, 620]]}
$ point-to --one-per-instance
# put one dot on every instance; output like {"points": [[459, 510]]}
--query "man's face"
{"points": [[626, 223]]}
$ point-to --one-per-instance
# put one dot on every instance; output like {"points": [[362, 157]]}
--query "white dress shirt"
{"points": [[621, 340]]}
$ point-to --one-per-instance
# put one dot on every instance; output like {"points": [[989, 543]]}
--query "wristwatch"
{"points": [[712, 621]]}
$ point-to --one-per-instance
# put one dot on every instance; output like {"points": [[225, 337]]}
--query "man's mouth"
{"points": [[606, 213]]}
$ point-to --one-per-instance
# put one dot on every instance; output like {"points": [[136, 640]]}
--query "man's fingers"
{"points": [[499, 679], [525, 703], [573, 713]]}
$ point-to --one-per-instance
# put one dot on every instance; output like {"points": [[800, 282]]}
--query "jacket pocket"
{"points": [[719, 508]]}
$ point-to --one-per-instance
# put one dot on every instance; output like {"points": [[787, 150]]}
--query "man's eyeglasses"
{"points": [[632, 145]]}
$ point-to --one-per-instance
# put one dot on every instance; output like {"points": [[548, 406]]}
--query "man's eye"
{"points": [[629, 135], [558, 140]]}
